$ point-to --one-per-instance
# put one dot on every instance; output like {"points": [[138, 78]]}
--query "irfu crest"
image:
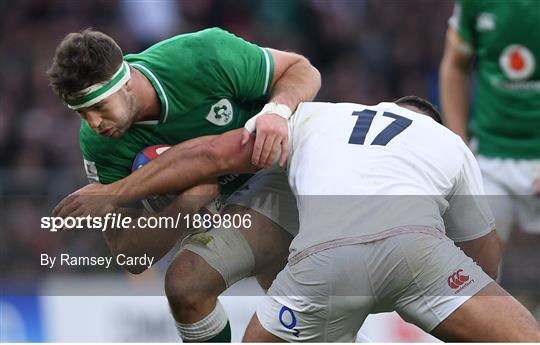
{"points": [[221, 113]]}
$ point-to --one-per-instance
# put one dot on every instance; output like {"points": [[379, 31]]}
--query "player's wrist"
{"points": [[121, 194], [280, 109]]}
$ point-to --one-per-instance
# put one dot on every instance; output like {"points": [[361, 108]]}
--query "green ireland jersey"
{"points": [[505, 37], [208, 82]]}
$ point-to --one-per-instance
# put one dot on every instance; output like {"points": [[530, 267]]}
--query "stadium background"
{"points": [[367, 51]]}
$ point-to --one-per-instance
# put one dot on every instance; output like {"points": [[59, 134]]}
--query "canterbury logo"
{"points": [[456, 279]]}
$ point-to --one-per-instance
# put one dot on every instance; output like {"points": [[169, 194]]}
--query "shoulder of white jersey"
{"points": [[305, 106], [383, 106], [393, 107], [389, 106]]}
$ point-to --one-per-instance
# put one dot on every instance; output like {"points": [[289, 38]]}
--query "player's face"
{"points": [[112, 116]]}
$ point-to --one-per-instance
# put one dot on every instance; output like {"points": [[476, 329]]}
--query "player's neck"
{"points": [[149, 105]]}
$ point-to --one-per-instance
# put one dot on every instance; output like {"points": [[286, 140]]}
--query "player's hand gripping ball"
{"points": [[156, 203]]}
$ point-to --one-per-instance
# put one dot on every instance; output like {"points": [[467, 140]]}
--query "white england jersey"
{"points": [[362, 173]]}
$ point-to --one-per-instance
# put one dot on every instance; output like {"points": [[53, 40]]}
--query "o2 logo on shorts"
{"points": [[288, 320]]}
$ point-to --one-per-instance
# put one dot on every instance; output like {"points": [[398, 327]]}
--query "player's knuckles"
{"points": [[79, 213], [283, 132], [64, 202], [65, 212], [60, 213], [266, 124], [268, 132], [262, 124], [67, 207], [76, 203], [56, 211]]}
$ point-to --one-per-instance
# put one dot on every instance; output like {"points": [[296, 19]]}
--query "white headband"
{"points": [[98, 92]]}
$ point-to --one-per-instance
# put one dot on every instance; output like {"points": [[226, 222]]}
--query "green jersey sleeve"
{"points": [[103, 163], [233, 66], [99, 172], [188, 69], [463, 22]]}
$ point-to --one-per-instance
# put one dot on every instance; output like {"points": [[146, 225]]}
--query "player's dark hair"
{"points": [[83, 59], [424, 106]]}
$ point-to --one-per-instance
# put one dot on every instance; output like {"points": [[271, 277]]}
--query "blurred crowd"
{"points": [[367, 51]]}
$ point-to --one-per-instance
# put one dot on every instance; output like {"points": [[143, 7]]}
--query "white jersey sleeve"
{"points": [[468, 215]]}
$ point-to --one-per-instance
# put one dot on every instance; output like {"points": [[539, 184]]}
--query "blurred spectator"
{"points": [[151, 21]]}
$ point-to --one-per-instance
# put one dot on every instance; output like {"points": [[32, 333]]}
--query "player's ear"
{"points": [[128, 86]]}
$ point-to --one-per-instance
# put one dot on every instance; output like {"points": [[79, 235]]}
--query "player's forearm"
{"points": [[173, 171], [485, 251], [138, 239], [455, 87], [299, 83], [154, 243], [186, 165], [131, 241]]}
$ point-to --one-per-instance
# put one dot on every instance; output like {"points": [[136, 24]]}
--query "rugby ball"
{"points": [[156, 203], [147, 155]]}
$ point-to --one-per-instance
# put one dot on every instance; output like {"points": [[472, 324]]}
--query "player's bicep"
{"points": [[468, 216], [240, 68], [463, 24], [282, 61]]}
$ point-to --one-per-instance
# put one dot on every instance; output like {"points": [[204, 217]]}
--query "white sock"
{"points": [[205, 329]]}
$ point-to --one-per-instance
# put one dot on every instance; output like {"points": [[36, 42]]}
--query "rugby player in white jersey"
{"points": [[384, 194]]}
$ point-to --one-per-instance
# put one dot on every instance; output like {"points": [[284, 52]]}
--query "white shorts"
{"points": [[226, 250], [268, 192], [326, 296], [509, 185]]}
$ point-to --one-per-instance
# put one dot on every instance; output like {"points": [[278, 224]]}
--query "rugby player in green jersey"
{"points": [[190, 86], [503, 39]]}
